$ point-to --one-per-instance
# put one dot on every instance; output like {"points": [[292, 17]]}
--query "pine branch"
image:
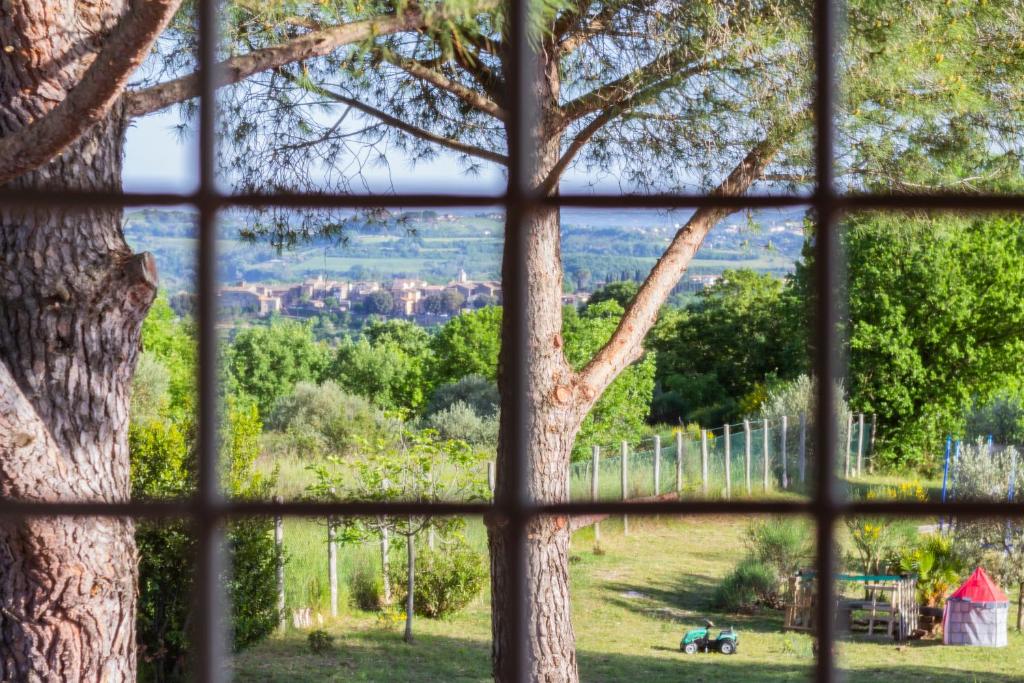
{"points": [[421, 71], [394, 122]]}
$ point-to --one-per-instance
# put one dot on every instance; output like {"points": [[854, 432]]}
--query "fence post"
{"points": [[746, 453], [624, 462], [767, 465], [279, 550], [860, 444], [728, 464], [332, 565], [596, 450], [803, 448], [849, 442], [490, 476], [785, 453], [679, 461], [871, 446], [704, 461], [657, 464], [945, 475]]}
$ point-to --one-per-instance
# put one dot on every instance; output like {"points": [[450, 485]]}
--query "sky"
{"points": [[158, 159]]}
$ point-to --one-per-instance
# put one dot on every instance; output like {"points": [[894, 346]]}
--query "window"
{"points": [[828, 201]]}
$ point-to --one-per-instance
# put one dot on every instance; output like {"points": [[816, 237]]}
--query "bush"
{"points": [[461, 423], [366, 588], [750, 585], [783, 545], [479, 392], [447, 579], [322, 420], [320, 642]]}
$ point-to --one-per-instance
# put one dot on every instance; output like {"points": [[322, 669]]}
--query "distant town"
{"points": [[398, 298]]}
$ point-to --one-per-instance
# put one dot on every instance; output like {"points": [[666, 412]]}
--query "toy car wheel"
{"points": [[727, 648], [690, 648]]}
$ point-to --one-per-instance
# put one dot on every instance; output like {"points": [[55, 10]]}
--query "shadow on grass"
{"points": [[687, 602], [379, 656]]}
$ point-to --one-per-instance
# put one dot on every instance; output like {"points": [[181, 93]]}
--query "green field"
{"points": [[631, 605]]}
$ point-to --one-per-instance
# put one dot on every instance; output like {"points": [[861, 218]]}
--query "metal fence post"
{"points": [[679, 461], [596, 450], [704, 461], [746, 453], [764, 447], [860, 444], [785, 453], [728, 463], [657, 464], [624, 461], [490, 476], [279, 549]]}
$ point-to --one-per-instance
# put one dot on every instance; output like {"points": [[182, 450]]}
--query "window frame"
{"points": [[209, 510]]}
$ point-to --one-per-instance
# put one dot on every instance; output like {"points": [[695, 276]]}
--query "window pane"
{"points": [[357, 620], [932, 333], [929, 98], [940, 584], [637, 596]]}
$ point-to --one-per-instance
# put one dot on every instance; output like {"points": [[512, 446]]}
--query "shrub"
{"points": [[320, 642], [366, 588], [447, 579], [322, 420], [751, 584], [783, 545], [478, 392], [460, 422]]}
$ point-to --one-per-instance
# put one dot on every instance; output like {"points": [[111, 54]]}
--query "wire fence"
{"points": [[749, 458]]}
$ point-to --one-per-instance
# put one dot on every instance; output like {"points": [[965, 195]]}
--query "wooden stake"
{"points": [[746, 453], [728, 464]]}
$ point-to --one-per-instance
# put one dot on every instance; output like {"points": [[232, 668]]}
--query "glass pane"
{"points": [[932, 333], [924, 106], [345, 597], [934, 587], [639, 598]]}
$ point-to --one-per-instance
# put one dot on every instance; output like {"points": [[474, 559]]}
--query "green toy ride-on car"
{"points": [[699, 640]]}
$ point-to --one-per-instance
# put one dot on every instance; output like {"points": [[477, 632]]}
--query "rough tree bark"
{"points": [[553, 418], [72, 301]]}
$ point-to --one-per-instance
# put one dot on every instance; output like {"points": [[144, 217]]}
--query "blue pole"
{"points": [[945, 474], [990, 445]]}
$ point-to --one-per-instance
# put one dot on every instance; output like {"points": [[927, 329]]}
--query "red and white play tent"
{"points": [[976, 613]]}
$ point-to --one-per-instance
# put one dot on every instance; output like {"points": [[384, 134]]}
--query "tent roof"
{"points": [[979, 588]]}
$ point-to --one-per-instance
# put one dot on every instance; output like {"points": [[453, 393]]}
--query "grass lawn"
{"points": [[631, 606]]}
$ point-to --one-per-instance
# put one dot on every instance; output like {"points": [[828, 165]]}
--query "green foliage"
{"points": [[741, 334], [378, 303], [936, 322], [320, 642], [621, 292], [169, 359], [446, 579], [477, 392], [163, 467], [938, 566], [314, 421], [460, 422], [621, 412], [751, 584], [150, 389], [785, 545], [467, 345], [1002, 418], [266, 362], [366, 588], [387, 365]]}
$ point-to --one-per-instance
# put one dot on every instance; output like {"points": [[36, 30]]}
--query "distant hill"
{"points": [[597, 245]]}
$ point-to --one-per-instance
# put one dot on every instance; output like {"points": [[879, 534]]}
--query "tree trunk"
{"points": [[553, 416], [72, 301], [410, 602]]}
